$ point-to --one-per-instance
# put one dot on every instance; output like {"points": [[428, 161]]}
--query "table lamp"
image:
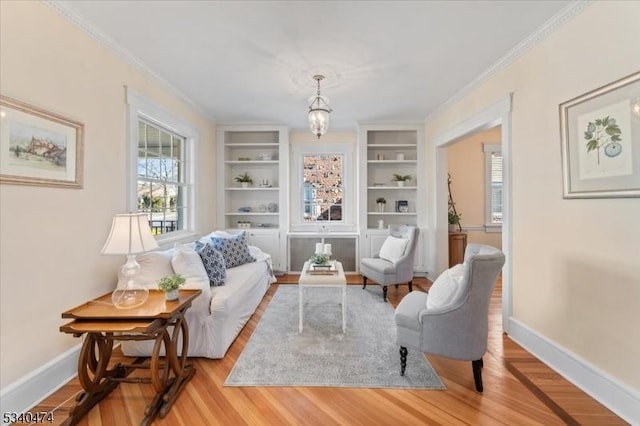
{"points": [[130, 234]]}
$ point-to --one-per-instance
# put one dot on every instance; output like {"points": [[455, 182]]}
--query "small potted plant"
{"points": [[380, 201], [454, 222], [245, 180], [320, 259], [170, 285], [401, 179]]}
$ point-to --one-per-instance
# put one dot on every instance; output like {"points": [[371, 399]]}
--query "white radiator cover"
{"points": [[302, 247]]}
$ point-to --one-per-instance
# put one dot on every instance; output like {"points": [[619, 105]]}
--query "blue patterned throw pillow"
{"points": [[234, 249], [214, 264]]}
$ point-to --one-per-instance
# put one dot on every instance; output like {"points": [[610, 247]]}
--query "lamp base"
{"points": [[129, 297], [132, 294]]}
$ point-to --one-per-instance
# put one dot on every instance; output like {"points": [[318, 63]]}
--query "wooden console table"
{"points": [[457, 246], [103, 324]]}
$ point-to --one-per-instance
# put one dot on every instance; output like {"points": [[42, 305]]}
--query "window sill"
{"points": [[493, 228], [166, 241]]}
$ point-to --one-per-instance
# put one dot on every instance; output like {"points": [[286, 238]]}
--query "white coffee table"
{"points": [[335, 280]]}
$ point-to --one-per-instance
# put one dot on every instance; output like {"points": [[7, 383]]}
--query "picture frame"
{"points": [[39, 147], [402, 206], [600, 136]]}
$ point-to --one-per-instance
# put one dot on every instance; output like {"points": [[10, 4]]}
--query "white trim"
{"points": [[497, 114], [473, 228], [28, 391], [492, 229], [609, 391], [62, 7], [558, 20], [141, 107]]}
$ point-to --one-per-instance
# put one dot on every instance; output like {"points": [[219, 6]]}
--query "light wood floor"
{"points": [[518, 390]]}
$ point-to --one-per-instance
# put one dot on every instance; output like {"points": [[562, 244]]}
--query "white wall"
{"points": [[575, 263], [51, 237]]}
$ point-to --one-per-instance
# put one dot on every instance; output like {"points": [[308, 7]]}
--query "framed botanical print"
{"points": [[600, 134]]}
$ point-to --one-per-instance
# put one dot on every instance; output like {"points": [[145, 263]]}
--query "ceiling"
{"points": [[253, 62]]}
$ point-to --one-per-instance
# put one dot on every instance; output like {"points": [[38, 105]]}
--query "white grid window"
{"points": [[161, 169], [493, 185], [161, 178], [322, 188]]}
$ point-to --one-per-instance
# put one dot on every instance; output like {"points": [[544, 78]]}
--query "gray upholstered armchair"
{"points": [[393, 264], [452, 319]]}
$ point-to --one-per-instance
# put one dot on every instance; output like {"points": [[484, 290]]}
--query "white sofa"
{"points": [[219, 313]]}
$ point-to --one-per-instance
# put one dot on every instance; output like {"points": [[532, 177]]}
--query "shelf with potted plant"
{"points": [[401, 180], [389, 149], [260, 151], [393, 187], [251, 162]]}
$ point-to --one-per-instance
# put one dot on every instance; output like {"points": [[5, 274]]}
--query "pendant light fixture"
{"points": [[319, 111]]}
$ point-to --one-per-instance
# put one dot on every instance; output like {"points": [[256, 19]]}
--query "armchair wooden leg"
{"points": [[477, 373], [384, 293], [403, 360], [410, 286], [364, 281]]}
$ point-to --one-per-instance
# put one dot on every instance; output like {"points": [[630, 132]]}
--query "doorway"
{"points": [[498, 114]]}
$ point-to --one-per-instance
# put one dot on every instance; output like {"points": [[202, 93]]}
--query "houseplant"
{"points": [[454, 216], [401, 179], [245, 180], [381, 202], [320, 259], [454, 222], [170, 285]]}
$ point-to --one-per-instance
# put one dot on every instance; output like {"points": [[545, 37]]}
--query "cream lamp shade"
{"points": [[130, 234]]}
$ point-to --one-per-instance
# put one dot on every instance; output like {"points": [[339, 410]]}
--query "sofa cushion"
{"points": [[234, 249], [241, 284], [393, 248], [214, 264], [187, 263], [381, 266], [445, 287]]}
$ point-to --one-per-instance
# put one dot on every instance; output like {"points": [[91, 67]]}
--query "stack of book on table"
{"points": [[323, 269]]}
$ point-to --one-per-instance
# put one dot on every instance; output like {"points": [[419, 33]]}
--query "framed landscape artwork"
{"points": [[600, 134], [38, 147]]}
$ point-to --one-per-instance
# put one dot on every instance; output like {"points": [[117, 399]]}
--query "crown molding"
{"points": [[558, 20], [62, 7]]}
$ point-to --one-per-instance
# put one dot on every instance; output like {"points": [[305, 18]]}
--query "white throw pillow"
{"points": [[393, 248], [187, 263], [445, 287]]}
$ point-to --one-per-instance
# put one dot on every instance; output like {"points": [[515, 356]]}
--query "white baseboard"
{"points": [[27, 392], [610, 392]]}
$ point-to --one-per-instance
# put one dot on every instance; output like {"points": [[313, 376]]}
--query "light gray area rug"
{"points": [[366, 356]]}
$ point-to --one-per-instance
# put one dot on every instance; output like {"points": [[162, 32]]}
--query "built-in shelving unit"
{"points": [[260, 209], [386, 150]]}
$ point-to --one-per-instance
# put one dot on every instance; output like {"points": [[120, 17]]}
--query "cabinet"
{"points": [[385, 151], [457, 246], [269, 242], [262, 153]]}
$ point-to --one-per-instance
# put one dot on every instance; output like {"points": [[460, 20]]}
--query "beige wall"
{"points": [[575, 263], [465, 161], [51, 237]]}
